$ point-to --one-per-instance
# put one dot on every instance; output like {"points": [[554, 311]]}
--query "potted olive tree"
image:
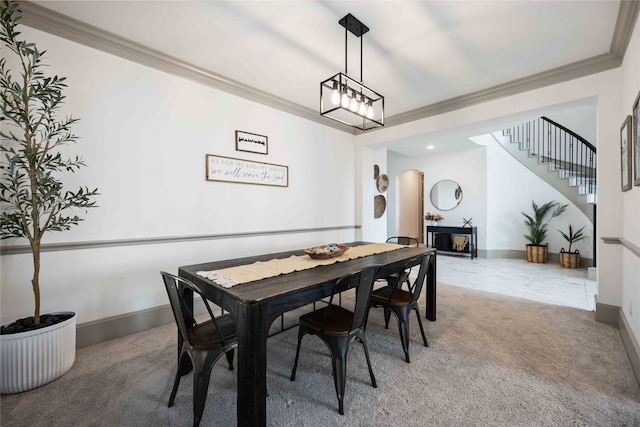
{"points": [[37, 349], [570, 259], [537, 225]]}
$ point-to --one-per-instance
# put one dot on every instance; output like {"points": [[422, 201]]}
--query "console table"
{"points": [[441, 238]]}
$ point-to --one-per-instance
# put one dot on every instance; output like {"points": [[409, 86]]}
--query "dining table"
{"points": [[255, 305]]}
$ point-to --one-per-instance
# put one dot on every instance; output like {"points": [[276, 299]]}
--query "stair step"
{"points": [[559, 150]]}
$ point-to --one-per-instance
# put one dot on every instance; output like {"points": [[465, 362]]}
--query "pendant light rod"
{"points": [[358, 29]]}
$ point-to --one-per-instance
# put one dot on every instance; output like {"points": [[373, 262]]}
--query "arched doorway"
{"points": [[411, 204]]}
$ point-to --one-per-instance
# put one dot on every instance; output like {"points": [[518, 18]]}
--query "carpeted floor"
{"points": [[493, 361]]}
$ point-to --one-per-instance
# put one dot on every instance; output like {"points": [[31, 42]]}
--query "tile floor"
{"points": [[548, 282]]}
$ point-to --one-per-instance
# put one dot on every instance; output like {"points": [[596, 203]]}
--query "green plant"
{"points": [[538, 223], [573, 237], [31, 190]]}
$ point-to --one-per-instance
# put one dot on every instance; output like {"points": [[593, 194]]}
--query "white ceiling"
{"points": [[416, 54]]}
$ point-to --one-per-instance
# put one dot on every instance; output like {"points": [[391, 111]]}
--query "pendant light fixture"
{"points": [[347, 100]]}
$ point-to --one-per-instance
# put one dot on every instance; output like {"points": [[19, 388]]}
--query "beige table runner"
{"points": [[229, 277]]}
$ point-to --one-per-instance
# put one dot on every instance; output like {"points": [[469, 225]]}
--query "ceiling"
{"points": [[418, 54]]}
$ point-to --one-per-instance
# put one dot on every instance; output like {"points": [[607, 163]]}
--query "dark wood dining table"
{"points": [[256, 304]]}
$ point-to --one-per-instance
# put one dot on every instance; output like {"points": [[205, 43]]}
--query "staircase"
{"points": [[559, 156]]}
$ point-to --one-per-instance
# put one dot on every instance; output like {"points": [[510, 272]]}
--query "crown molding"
{"points": [[627, 17], [572, 71], [55, 23], [52, 22]]}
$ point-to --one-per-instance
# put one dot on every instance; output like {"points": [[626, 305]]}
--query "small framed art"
{"points": [[251, 142], [625, 154]]}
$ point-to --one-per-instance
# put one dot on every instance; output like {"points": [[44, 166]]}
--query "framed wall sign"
{"points": [[251, 142], [228, 169], [625, 153], [636, 140]]}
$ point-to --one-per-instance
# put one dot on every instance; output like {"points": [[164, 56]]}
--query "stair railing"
{"points": [[564, 150]]}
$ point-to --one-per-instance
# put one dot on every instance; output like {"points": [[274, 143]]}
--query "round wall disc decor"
{"points": [[382, 183], [379, 206], [376, 171]]}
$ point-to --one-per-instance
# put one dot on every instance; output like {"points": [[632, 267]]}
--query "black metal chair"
{"points": [[400, 302], [397, 279], [339, 327], [202, 343]]}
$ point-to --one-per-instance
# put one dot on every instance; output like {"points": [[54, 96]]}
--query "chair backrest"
{"points": [[416, 287], [183, 315], [403, 240], [364, 279]]}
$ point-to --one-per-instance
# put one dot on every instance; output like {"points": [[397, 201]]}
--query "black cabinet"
{"points": [[461, 241]]}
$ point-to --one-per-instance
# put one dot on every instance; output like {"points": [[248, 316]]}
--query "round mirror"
{"points": [[446, 195]]}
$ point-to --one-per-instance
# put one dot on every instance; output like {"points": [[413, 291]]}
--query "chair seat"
{"points": [[338, 324], [400, 296], [204, 336]]}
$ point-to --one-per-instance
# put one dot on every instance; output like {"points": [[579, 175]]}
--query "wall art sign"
{"points": [[251, 142], [228, 169], [636, 140], [625, 153]]}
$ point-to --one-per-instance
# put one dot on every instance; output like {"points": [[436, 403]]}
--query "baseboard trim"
{"points": [[515, 254], [606, 313], [615, 316], [106, 329], [630, 343]]}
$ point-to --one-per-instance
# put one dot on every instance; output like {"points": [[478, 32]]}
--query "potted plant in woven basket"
{"points": [[538, 225], [37, 349], [571, 259]]}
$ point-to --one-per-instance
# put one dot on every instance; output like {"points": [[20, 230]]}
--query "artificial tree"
{"points": [[34, 200]]}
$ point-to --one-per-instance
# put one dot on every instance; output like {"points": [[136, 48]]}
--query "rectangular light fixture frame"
{"points": [[344, 114]]}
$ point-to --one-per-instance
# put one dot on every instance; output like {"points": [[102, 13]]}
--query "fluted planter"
{"points": [[34, 358]]}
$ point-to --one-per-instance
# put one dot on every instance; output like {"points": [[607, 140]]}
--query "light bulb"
{"points": [[344, 102], [362, 109], [335, 95], [370, 110], [354, 103]]}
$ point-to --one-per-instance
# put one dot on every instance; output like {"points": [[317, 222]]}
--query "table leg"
{"points": [[251, 323], [431, 289]]}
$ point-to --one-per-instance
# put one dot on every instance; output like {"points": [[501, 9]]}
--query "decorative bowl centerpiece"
{"points": [[326, 251]]}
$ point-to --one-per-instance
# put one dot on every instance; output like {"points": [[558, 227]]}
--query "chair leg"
{"points": [[366, 353], [339, 358], [201, 375], [403, 326], [295, 363], [230, 358], [184, 358], [424, 337], [387, 316]]}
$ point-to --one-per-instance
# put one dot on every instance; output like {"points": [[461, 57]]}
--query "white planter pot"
{"points": [[31, 359]]}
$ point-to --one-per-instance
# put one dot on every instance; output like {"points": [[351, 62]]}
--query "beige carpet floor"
{"points": [[493, 361]]}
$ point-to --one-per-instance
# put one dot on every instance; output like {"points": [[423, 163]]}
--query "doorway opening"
{"points": [[411, 204]]}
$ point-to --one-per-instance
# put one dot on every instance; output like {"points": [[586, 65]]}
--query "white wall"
{"points": [[510, 189], [144, 136], [467, 168], [630, 199], [373, 229]]}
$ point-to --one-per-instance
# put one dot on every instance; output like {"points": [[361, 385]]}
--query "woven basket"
{"points": [[569, 259], [537, 253], [325, 255]]}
